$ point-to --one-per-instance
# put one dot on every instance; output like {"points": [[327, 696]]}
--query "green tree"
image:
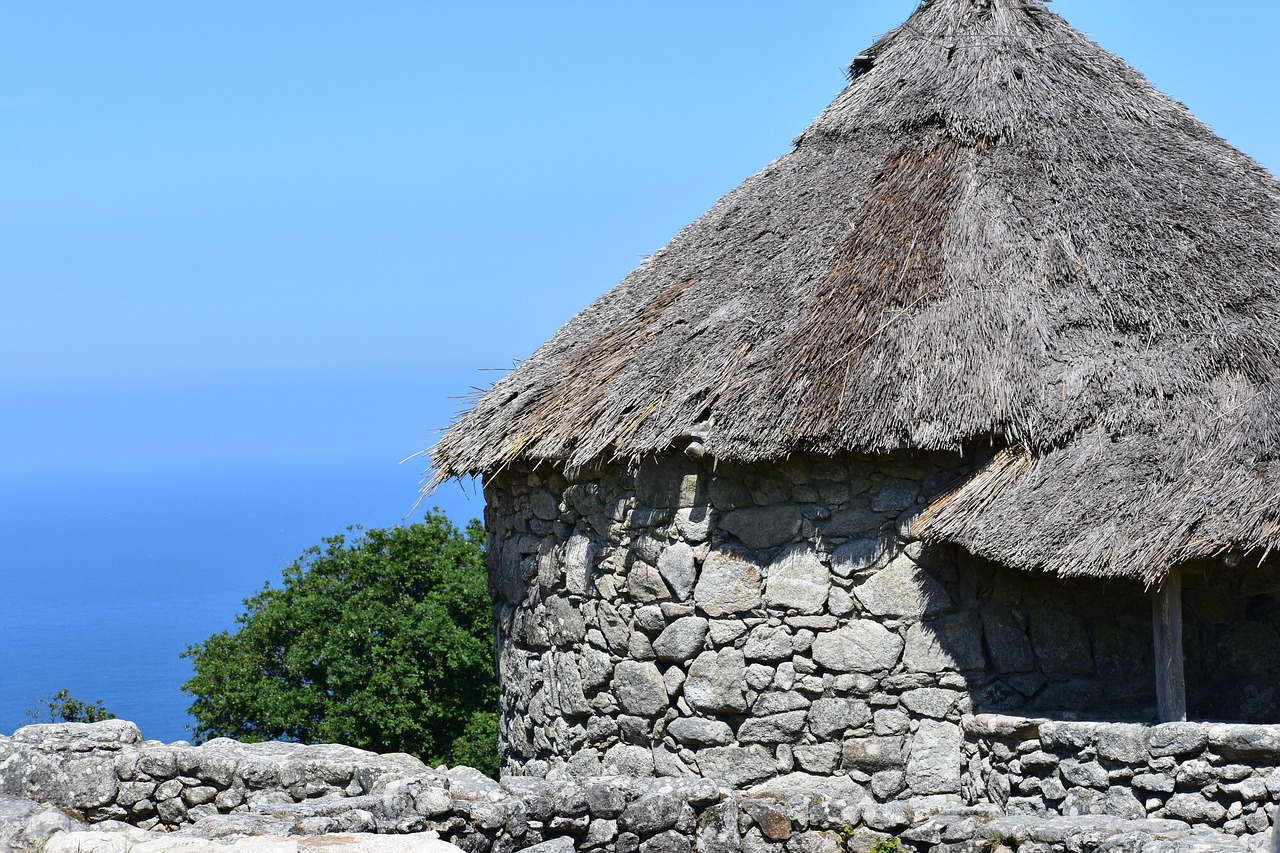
{"points": [[382, 639], [62, 707]]}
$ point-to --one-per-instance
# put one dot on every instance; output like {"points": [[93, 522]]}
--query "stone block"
{"points": [[596, 667], [932, 702], [682, 640], [1087, 774], [856, 522], [600, 833], [1252, 790], [579, 563], [862, 646], [779, 701], [1124, 743], [545, 505], [699, 731], [839, 602], [1066, 736], [891, 722], [652, 812], [728, 494], [616, 631], [871, 754], [715, 682], [822, 758], [725, 632], [159, 764], [822, 622], [693, 524], [736, 766], [639, 688], [564, 685], [816, 841], [862, 555], [1195, 774], [797, 580], [949, 643], [770, 817], [172, 811], [511, 571], [669, 841], [728, 584], [1158, 782], [1002, 726], [832, 717], [626, 760], [935, 762], [763, 527], [604, 799], [760, 676], [649, 619], [888, 784], [1195, 809], [886, 817], [49, 771], [718, 829], [1243, 741], [676, 566], [895, 495], [902, 590], [1039, 763], [645, 583], [768, 643], [775, 728], [1120, 802]]}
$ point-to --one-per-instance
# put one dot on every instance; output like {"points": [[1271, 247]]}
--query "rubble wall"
{"points": [[740, 622], [1207, 774], [105, 774]]}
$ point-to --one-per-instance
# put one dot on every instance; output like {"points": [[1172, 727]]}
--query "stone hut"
{"points": [[968, 404]]}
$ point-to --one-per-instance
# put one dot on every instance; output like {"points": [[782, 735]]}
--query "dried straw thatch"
{"points": [[997, 232]]}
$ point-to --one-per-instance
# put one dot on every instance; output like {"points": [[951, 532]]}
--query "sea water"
{"points": [[107, 577]]}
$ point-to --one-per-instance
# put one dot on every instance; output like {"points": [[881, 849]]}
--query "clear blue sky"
{"points": [[243, 231]]}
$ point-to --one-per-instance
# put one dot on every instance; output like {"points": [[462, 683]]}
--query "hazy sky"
{"points": [[241, 231]]}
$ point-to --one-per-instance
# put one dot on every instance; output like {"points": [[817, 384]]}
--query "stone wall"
{"points": [[224, 790], [106, 771], [740, 622], [1208, 774]]}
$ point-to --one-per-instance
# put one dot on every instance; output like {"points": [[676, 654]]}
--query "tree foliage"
{"points": [[381, 639], [62, 707]]}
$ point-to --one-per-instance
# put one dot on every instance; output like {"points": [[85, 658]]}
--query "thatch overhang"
{"points": [[997, 233]]}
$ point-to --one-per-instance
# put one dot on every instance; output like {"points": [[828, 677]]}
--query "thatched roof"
{"points": [[997, 232]]}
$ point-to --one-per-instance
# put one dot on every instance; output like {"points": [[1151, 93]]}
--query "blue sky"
{"points": [[236, 233]]}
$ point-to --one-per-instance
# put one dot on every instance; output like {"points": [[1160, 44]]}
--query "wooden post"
{"points": [[1166, 621]]}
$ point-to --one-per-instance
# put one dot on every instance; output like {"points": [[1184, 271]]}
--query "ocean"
{"points": [[106, 577]]}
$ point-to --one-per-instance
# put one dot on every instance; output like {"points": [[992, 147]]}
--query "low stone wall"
{"points": [[1215, 775], [106, 773]]}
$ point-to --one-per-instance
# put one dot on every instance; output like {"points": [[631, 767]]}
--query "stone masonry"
{"points": [[740, 622], [1208, 774], [104, 780]]}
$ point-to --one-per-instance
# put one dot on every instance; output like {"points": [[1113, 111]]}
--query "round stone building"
{"points": [[967, 404]]}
